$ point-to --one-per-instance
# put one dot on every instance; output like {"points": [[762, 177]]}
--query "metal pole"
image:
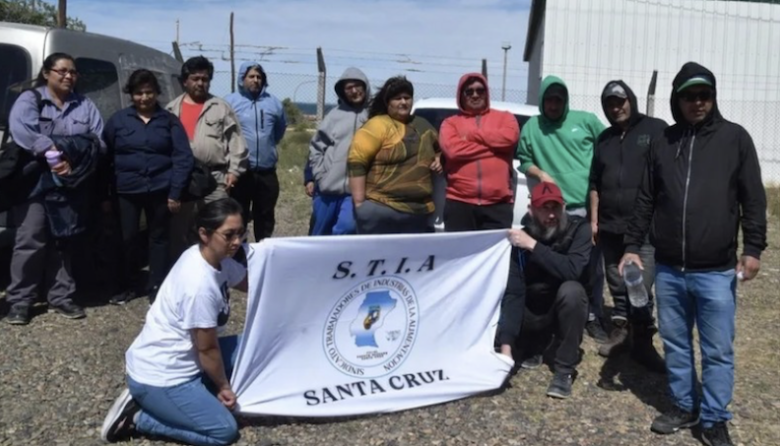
{"points": [[651, 94], [62, 16], [484, 68], [232, 57], [320, 85], [506, 47]]}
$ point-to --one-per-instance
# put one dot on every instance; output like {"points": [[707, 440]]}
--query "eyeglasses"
{"points": [[470, 91], [692, 96], [232, 235], [64, 72]]}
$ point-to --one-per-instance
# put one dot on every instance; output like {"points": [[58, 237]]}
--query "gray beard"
{"points": [[544, 234]]}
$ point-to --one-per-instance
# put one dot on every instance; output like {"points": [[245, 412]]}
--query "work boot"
{"points": [[618, 341], [644, 351], [596, 331]]}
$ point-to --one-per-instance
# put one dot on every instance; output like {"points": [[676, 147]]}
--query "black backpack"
{"points": [[20, 170]]}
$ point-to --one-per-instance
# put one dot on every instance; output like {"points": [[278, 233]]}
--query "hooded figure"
{"points": [[263, 124], [615, 176], [560, 148], [477, 146], [328, 152], [702, 181], [262, 118]]}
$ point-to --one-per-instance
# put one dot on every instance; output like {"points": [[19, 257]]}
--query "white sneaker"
{"points": [[119, 420]]}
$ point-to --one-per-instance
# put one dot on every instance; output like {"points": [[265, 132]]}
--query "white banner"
{"points": [[366, 324]]}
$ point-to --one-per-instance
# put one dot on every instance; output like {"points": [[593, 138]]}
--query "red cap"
{"points": [[544, 192]]}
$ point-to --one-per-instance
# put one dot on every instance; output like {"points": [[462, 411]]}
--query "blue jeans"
{"points": [[709, 300], [333, 215], [188, 412]]}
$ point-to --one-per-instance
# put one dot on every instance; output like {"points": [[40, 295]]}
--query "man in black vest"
{"points": [[549, 299]]}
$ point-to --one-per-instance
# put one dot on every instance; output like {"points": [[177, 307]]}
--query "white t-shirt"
{"points": [[194, 295]]}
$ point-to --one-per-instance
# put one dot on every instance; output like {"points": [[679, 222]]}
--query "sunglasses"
{"points": [[692, 96], [470, 91]]}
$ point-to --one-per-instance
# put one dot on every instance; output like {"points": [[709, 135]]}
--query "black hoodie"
{"points": [[618, 164], [701, 181]]}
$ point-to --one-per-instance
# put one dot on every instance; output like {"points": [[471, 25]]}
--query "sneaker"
{"points": [[532, 362], [560, 386], [717, 435], [122, 298], [19, 314], [674, 420], [596, 331], [119, 421], [69, 310]]}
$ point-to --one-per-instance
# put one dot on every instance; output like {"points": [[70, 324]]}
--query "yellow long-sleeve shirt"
{"points": [[395, 158]]}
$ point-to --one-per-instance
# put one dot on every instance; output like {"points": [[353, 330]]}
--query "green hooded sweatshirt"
{"points": [[562, 148]]}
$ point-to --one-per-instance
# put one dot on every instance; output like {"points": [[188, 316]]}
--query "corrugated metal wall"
{"points": [[589, 42]]}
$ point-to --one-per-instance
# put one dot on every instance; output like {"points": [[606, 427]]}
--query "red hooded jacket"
{"points": [[478, 151]]}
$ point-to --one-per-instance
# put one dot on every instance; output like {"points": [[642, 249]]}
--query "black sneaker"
{"points": [[119, 421], [69, 310], [19, 314], [674, 420], [596, 331], [560, 386], [532, 362], [717, 435], [122, 298]]}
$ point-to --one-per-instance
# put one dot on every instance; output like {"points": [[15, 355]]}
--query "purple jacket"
{"points": [[78, 116]]}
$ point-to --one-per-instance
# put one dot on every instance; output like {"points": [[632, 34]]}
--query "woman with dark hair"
{"points": [[178, 368], [48, 112], [152, 160], [390, 163]]}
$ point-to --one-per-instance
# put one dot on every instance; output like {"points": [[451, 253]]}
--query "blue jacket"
{"points": [[262, 119], [149, 157]]}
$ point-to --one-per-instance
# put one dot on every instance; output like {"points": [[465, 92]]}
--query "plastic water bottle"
{"points": [[637, 293], [54, 157]]}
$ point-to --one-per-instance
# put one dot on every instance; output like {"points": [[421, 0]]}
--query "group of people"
{"points": [[670, 199], [165, 161]]}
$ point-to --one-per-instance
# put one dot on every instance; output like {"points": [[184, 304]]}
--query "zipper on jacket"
{"points": [[685, 197], [262, 119], [479, 167], [257, 140], [354, 130]]}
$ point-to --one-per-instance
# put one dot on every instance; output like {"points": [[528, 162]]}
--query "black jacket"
{"points": [[534, 278], [618, 164], [700, 183]]}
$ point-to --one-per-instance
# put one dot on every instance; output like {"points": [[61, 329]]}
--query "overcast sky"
{"points": [[438, 40]]}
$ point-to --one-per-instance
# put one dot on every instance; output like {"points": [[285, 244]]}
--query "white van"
{"points": [[435, 111], [104, 63]]}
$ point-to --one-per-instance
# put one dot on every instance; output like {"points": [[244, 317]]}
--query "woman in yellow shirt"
{"points": [[390, 163]]}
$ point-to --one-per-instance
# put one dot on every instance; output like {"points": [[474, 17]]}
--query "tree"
{"points": [[35, 12]]}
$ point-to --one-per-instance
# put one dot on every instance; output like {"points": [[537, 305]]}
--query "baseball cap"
{"points": [[696, 80], [615, 89], [545, 192]]}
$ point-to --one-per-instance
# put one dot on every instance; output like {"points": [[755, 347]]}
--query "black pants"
{"points": [[259, 191], [460, 216], [612, 247], [513, 302], [376, 218], [155, 207], [565, 318]]}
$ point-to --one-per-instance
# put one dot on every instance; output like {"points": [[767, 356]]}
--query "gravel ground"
{"points": [[59, 377]]}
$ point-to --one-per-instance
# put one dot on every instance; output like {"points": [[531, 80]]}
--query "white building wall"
{"points": [[589, 42]]}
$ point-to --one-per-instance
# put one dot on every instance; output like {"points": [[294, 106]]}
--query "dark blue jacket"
{"points": [[148, 157]]}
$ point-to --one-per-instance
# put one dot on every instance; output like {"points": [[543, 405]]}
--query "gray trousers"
{"points": [[182, 229], [612, 247], [38, 261], [376, 218]]}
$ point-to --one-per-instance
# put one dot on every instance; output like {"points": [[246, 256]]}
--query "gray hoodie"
{"points": [[329, 148]]}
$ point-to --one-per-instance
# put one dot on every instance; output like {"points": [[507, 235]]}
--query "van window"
{"points": [[15, 69], [99, 81]]}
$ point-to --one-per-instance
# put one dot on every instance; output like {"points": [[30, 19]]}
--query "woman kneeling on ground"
{"points": [[177, 368]]}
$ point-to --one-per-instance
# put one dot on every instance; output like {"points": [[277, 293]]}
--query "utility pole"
{"points": [[232, 57], [62, 16], [484, 68], [506, 47], [177, 32]]}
